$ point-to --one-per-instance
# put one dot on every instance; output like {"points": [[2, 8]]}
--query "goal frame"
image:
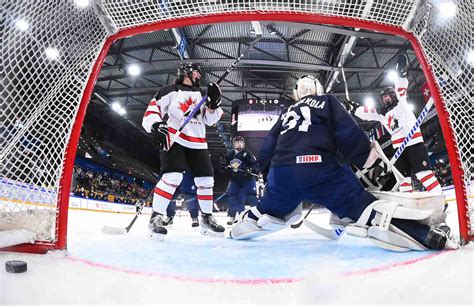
{"points": [[310, 18]]}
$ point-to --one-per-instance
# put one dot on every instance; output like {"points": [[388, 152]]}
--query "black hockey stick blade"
{"points": [[298, 224]]}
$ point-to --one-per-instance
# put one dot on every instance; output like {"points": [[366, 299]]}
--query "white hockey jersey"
{"points": [[399, 120], [176, 101]]}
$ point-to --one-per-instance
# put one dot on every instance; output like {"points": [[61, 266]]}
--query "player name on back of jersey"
{"points": [[310, 102], [308, 159]]}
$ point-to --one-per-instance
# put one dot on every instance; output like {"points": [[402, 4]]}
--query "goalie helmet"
{"points": [[307, 85], [186, 69], [239, 143], [388, 100]]}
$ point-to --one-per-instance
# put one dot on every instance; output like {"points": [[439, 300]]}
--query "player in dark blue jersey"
{"points": [[242, 184], [305, 152]]}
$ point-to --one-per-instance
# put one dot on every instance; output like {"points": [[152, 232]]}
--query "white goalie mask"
{"points": [[307, 85]]}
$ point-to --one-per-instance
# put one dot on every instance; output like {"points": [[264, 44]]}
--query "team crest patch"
{"points": [[308, 159], [235, 164]]}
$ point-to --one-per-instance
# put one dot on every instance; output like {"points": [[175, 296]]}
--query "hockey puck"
{"points": [[16, 266]]}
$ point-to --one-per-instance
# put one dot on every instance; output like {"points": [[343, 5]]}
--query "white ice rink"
{"points": [[294, 266]]}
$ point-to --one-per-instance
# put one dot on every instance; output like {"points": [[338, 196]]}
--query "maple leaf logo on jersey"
{"points": [[392, 122], [186, 104]]}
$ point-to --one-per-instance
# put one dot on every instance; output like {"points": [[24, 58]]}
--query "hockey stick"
{"points": [[240, 170], [111, 230], [298, 224], [198, 106], [390, 163], [333, 233]]}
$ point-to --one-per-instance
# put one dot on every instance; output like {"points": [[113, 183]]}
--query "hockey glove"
{"points": [[160, 135], [351, 106], [223, 165], [213, 96], [248, 172], [402, 65]]}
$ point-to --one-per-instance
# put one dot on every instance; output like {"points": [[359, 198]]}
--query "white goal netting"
{"points": [[48, 50]]}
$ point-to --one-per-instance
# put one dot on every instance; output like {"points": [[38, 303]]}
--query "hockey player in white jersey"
{"points": [[393, 112], [304, 150], [163, 117]]}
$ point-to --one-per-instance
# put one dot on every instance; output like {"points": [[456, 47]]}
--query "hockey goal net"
{"points": [[52, 51]]}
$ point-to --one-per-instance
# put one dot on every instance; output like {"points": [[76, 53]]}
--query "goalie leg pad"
{"points": [[393, 239], [248, 228], [436, 203], [385, 211]]}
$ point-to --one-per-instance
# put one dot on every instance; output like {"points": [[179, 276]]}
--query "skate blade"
{"points": [[210, 233]]}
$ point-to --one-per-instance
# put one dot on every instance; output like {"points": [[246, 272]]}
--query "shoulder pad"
{"points": [[166, 90]]}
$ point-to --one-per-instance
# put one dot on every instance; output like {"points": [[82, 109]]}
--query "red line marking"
{"points": [[257, 281], [395, 265]]}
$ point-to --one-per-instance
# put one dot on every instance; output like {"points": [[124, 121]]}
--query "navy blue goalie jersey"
{"points": [[314, 130]]}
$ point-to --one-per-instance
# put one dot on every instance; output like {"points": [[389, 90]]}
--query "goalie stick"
{"points": [[298, 224], [198, 106], [111, 230], [334, 233]]}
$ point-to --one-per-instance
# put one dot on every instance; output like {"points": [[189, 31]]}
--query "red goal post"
{"points": [[44, 99]]}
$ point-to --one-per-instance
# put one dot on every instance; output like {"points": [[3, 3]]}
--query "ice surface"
{"points": [[294, 266]]}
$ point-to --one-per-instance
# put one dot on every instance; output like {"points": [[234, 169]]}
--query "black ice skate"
{"points": [[438, 238], [231, 220], [195, 222], [168, 221], [156, 227], [210, 227]]}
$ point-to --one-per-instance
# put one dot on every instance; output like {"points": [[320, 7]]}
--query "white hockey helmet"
{"points": [[307, 85]]}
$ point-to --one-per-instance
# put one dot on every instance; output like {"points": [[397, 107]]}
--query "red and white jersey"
{"points": [[175, 101], [399, 120]]}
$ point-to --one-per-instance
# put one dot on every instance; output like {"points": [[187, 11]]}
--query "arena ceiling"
{"points": [[285, 52]]}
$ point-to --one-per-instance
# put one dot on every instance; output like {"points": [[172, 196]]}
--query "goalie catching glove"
{"points": [[160, 135], [213, 96]]}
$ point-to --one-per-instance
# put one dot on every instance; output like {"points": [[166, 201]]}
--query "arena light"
{"points": [[369, 102], [392, 75], [82, 3], [52, 53], [116, 106], [447, 10], [22, 25], [133, 70], [470, 57], [122, 111]]}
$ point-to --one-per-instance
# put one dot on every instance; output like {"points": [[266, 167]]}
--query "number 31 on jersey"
{"points": [[292, 119]]}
